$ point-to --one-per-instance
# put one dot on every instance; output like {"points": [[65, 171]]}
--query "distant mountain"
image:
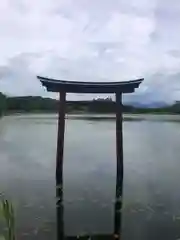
{"points": [[148, 105], [36, 104]]}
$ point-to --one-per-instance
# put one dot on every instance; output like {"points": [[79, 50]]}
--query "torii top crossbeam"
{"points": [[53, 85]]}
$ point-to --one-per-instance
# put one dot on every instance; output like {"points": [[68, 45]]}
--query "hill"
{"points": [[39, 104]]}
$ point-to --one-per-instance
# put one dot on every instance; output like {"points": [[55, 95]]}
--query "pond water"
{"points": [[151, 191]]}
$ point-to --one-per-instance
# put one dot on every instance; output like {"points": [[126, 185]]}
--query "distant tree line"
{"points": [[29, 104], [39, 104], [3, 104]]}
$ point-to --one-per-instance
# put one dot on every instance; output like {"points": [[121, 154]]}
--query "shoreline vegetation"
{"points": [[7, 218], [31, 104]]}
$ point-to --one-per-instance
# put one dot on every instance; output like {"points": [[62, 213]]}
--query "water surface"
{"points": [[151, 193]]}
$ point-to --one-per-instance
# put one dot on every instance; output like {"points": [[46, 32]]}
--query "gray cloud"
{"points": [[175, 53], [91, 40]]}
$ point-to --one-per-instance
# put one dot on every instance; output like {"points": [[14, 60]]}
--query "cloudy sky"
{"points": [[95, 40]]}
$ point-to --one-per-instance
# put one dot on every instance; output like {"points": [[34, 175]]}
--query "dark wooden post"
{"points": [[119, 173], [119, 137], [60, 137], [59, 166]]}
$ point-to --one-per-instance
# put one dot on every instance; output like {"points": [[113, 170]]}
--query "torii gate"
{"points": [[117, 88]]}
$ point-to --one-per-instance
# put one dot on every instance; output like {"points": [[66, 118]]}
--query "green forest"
{"points": [[39, 104], [3, 106]]}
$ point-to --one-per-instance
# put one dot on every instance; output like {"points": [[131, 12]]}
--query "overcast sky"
{"points": [[95, 40]]}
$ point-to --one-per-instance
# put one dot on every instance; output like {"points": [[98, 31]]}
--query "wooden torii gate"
{"points": [[117, 88]]}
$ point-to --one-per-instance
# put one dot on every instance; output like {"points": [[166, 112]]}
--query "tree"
{"points": [[2, 103]]}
